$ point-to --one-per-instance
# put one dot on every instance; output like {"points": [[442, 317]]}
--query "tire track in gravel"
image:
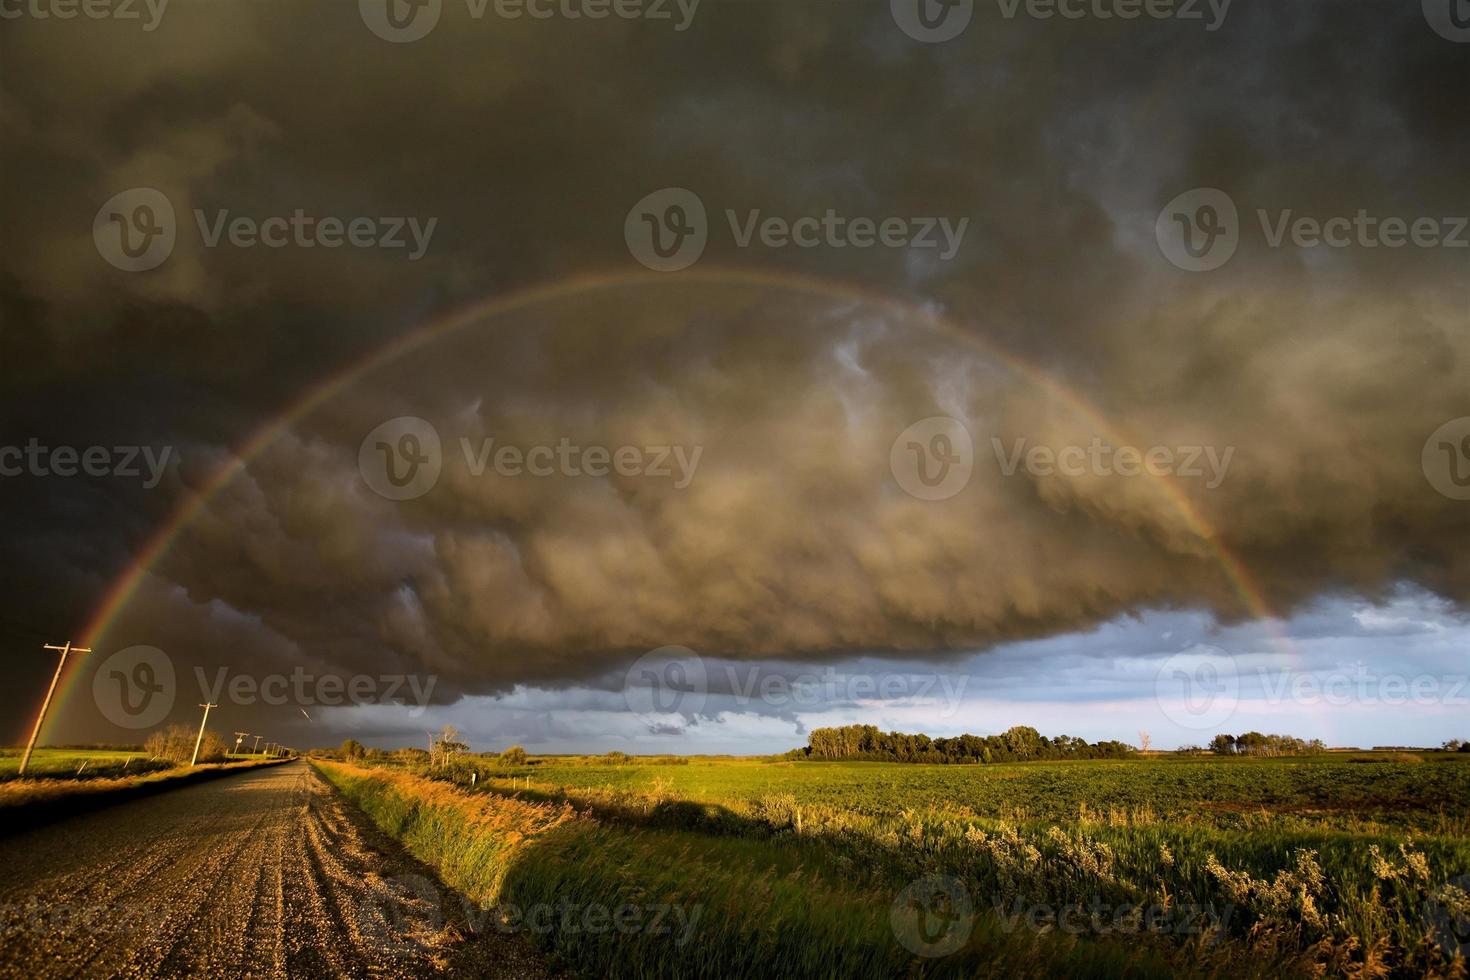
{"points": [[262, 874]]}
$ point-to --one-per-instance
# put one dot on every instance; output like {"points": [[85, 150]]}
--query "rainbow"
{"points": [[126, 584]]}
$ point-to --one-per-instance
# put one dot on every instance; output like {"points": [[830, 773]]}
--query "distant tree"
{"points": [[352, 750], [513, 756], [176, 744], [1256, 743], [447, 745], [1144, 741], [1022, 741], [1018, 744]]}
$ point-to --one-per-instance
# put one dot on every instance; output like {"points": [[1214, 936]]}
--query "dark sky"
{"points": [[517, 149]]}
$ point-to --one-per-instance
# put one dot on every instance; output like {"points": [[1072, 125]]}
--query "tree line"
{"points": [[1255, 743], [1019, 744]]}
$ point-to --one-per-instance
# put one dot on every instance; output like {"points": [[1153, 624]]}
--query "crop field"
{"points": [[1149, 867]]}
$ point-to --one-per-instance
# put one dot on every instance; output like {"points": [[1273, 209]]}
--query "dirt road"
{"points": [[266, 873]]}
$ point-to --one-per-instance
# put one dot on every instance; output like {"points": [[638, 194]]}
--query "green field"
{"points": [[78, 763], [1152, 867], [47, 763]]}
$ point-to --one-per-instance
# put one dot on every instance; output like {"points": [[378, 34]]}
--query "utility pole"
{"points": [[239, 737], [205, 721], [46, 705], [256, 750]]}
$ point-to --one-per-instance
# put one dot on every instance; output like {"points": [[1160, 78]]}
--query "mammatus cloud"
{"points": [[1324, 369]]}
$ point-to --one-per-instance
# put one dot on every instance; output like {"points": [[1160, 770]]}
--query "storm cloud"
{"points": [[783, 372]]}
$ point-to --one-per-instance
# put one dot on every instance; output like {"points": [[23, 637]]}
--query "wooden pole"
{"points": [[46, 704], [197, 741]]}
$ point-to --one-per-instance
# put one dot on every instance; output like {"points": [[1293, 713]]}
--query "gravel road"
{"points": [[265, 873]]}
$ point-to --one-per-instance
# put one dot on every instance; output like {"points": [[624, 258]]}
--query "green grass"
{"points": [[1315, 864], [63, 763], [1322, 791], [78, 763]]}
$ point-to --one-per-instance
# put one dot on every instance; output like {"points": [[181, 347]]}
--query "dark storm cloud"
{"points": [[528, 142]]}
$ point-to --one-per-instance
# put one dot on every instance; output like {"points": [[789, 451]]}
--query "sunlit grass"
{"points": [[1314, 865]]}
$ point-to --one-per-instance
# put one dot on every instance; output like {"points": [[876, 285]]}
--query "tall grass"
{"points": [[782, 889]]}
